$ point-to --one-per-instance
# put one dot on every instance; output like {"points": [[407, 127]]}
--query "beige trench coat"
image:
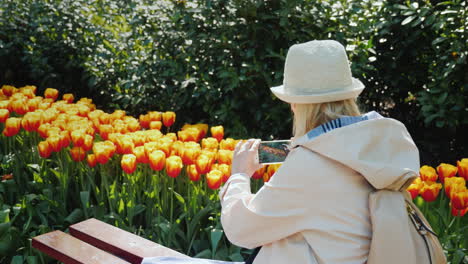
{"points": [[315, 208]]}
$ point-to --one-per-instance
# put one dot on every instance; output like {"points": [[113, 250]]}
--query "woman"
{"points": [[315, 208]]}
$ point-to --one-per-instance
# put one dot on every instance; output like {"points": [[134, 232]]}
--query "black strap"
{"points": [[252, 256]]}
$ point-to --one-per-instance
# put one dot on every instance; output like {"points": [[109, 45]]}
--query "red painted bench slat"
{"points": [[119, 242], [71, 250]]}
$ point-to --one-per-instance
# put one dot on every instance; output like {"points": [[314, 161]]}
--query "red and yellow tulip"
{"points": [[128, 163], [173, 166], [446, 171], [430, 191], [214, 178], [217, 132], [428, 173]]}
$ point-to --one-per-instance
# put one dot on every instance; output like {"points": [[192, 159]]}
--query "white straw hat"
{"points": [[316, 72]]}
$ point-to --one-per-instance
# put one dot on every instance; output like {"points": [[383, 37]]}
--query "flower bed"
{"points": [[64, 161]]}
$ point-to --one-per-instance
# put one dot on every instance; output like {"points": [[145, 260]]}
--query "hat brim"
{"points": [[352, 91]]}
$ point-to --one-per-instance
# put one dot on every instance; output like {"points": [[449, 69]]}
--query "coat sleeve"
{"points": [[276, 211]]}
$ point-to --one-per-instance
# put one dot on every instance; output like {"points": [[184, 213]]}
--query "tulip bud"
{"points": [[453, 183], [217, 132], [68, 97], [228, 144], [459, 199], [78, 154], [203, 163], [155, 125], [428, 173], [168, 118], [430, 191], [173, 166], [128, 163], [209, 143], [258, 174], [157, 159], [4, 114], [193, 173], [446, 171], [140, 154], [214, 179], [463, 168], [459, 213], [415, 187], [12, 126], [226, 170], [51, 93], [8, 90], [91, 159], [44, 149], [225, 156]]}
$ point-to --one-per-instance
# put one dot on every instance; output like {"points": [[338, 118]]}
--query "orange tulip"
{"points": [[54, 143], [415, 187], [463, 168], [226, 170], [128, 163], [446, 171], [68, 97], [192, 134], [4, 114], [51, 93], [43, 129], [459, 199], [140, 154], [183, 136], [430, 191], [168, 118], [209, 143], [12, 126], [44, 149], [92, 161], [228, 144], [157, 159], [203, 163], [78, 154], [428, 173], [214, 179], [193, 173], [173, 166], [8, 90], [453, 183], [258, 174], [225, 156], [217, 132]]}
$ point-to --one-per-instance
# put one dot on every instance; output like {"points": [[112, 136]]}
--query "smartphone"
{"points": [[273, 152]]}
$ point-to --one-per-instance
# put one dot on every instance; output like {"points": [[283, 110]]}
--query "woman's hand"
{"points": [[245, 157]]}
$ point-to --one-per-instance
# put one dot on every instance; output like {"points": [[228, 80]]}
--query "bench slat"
{"points": [[119, 242], [71, 250]]}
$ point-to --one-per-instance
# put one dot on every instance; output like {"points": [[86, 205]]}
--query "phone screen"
{"points": [[271, 152]]}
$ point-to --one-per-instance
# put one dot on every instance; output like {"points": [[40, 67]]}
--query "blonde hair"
{"points": [[309, 116]]}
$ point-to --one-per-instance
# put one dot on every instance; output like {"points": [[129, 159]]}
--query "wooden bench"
{"points": [[95, 242]]}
